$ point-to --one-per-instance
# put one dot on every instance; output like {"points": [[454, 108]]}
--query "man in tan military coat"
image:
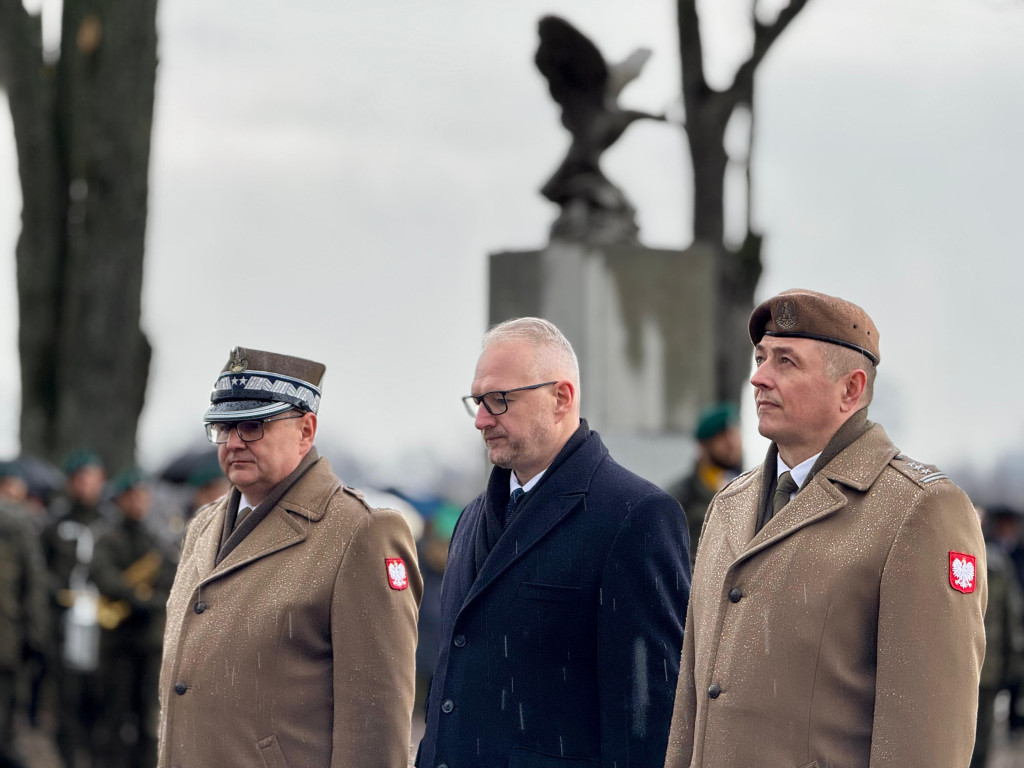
{"points": [[836, 614], [291, 626]]}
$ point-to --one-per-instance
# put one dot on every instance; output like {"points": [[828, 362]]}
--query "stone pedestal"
{"points": [[641, 322]]}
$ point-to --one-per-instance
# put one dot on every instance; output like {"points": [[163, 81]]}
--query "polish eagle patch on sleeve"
{"points": [[398, 577], [962, 572]]}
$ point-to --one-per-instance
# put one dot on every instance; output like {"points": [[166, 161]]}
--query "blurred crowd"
{"points": [[86, 565], [87, 561]]}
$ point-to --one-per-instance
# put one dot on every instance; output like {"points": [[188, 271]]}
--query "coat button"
{"points": [[714, 690], [442, 765], [460, 641], [180, 688], [735, 594], [447, 706], [199, 607]]}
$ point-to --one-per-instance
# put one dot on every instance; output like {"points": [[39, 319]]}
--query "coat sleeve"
{"points": [[931, 638], [644, 591], [373, 639]]}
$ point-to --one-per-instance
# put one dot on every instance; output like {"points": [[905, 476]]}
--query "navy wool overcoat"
{"points": [[561, 649]]}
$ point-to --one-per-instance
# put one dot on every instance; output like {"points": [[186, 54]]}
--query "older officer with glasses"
{"points": [[563, 605], [291, 626]]}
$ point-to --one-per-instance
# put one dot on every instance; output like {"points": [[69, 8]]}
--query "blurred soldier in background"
{"points": [[1004, 530], [134, 579], [23, 606], [719, 461], [1004, 638], [76, 520], [209, 484]]}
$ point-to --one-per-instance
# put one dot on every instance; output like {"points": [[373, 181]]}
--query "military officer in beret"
{"points": [[291, 625], [837, 611]]}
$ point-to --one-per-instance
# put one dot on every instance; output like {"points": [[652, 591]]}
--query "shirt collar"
{"points": [[799, 472], [514, 483]]}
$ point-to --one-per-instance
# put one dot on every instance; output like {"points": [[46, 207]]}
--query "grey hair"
{"points": [[553, 353], [840, 361]]}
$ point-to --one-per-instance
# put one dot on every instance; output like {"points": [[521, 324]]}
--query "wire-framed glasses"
{"points": [[495, 402], [218, 432]]}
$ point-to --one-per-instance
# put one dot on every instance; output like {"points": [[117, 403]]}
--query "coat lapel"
{"points": [[285, 525], [528, 528], [857, 467], [275, 532], [557, 497], [208, 540]]}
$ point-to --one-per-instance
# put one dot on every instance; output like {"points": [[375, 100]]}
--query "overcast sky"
{"points": [[328, 178]]}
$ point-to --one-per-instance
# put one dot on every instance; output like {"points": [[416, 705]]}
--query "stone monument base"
{"points": [[641, 322]]}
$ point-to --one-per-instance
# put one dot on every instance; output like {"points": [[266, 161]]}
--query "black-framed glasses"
{"points": [[218, 432], [495, 402]]}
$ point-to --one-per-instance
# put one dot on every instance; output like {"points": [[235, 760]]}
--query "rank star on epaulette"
{"points": [[398, 578], [962, 572]]}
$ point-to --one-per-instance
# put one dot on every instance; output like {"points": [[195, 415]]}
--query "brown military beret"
{"points": [[256, 385], [810, 315]]}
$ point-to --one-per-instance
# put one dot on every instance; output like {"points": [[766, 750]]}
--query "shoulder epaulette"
{"points": [[735, 483], [357, 494], [922, 474]]}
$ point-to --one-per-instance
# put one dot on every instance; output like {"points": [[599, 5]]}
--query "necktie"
{"points": [[786, 486], [242, 514], [513, 501]]}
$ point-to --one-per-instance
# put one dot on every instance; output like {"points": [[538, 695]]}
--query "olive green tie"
{"points": [[786, 486]]}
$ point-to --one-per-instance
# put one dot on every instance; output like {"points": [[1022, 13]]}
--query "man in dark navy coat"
{"points": [[562, 607]]}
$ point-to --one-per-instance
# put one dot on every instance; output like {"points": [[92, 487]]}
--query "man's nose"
{"points": [[234, 441], [484, 419], [760, 379]]}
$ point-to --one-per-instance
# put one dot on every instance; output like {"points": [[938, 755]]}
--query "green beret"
{"points": [[130, 478], [715, 420], [206, 473], [807, 314], [80, 459], [10, 469]]}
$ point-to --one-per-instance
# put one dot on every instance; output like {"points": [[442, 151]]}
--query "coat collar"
{"points": [[857, 467], [281, 528], [553, 499]]}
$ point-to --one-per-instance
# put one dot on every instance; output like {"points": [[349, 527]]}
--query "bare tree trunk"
{"points": [[82, 129], [707, 116]]}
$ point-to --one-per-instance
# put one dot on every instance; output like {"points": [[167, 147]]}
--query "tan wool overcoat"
{"points": [[839, 636], [297, 649]]}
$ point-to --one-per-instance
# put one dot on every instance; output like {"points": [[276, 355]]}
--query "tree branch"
{"points": [[765, 36]]}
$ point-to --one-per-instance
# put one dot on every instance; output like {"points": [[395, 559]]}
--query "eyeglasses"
{"points": [[248, 431], [495, 402]]}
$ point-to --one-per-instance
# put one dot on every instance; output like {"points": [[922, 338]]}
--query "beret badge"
{"points": [[785, 314], [238, 362]]}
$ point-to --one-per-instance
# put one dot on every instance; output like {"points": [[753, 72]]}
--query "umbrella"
{"points": [[180, 469], [42, 478]]}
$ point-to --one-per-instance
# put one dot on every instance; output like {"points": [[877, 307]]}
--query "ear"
{"points": [[307, 427], [855, 383], [565, 398]]}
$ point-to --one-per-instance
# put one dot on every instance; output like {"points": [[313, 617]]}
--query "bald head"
{"points": [[553, 355]]}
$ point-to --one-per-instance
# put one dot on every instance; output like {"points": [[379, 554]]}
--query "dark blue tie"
{"points": [[513, 500]]}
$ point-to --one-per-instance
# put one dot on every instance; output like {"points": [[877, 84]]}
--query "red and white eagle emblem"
{"points": [[397, 576], [962, 574]]}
